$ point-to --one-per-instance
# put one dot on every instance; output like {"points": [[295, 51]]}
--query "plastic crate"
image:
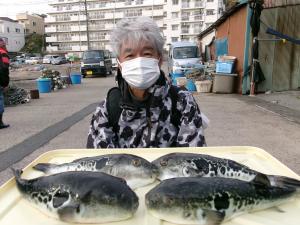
{"points": [[224, 67]]}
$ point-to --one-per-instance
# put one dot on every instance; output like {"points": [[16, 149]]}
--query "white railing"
{"points": [[50, 19], [51, 39], [78, 28], [50, 29]]}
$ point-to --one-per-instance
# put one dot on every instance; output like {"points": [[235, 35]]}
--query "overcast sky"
{"points": [[10, 8]]}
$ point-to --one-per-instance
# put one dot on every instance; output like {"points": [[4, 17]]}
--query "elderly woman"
{"points": [[145, 110]]}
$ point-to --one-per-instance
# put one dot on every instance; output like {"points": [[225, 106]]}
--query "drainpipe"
{"points": [[246, 79]]}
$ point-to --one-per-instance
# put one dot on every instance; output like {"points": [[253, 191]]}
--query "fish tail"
{"points": [[283, 181], [17, 173], [44, 167]]}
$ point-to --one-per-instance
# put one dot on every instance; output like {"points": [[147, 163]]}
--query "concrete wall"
{"points": [[280, 62], [234, 29]]}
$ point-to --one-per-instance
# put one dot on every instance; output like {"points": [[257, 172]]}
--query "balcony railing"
{"points": [[185, 18], [198, 17], [184, 31]]}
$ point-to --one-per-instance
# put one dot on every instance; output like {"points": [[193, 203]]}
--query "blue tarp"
{"points": [[221, 46]]}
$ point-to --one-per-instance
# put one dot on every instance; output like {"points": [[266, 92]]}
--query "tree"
{"points": [[33, 43]]}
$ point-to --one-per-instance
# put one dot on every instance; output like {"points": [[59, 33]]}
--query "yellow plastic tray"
{"points": [[15, 210]]}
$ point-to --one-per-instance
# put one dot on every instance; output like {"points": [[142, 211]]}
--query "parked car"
{"points": [[114, 61], [96, 62], [183, 56], [59, 60], [34, 60], [49, 58]]}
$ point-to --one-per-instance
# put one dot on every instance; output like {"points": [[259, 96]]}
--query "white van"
{"points": [[183, 56], [49, 58]]}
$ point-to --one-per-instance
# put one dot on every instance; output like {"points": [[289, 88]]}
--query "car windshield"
{"points": [[93, 55], [185, 52], [55, 56]]}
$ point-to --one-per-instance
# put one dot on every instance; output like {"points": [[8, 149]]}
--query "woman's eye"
{"points": [[148, 54]]}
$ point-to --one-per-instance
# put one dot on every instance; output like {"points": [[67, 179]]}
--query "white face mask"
{"points": [[141, 72]]}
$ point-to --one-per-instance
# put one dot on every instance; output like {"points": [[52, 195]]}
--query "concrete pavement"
{"points": [[62, 119]]}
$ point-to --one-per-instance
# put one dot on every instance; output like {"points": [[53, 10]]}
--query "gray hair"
{"points": [[135, 30]]}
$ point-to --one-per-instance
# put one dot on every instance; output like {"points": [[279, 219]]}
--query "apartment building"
{"points": [[13, 34], [32, 23], [66, 24], [66, 27], [187, 18]]}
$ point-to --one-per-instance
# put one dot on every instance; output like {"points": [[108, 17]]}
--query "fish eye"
{"points": [[163, 163], [136, 162], [186, 172], [187, 214]]}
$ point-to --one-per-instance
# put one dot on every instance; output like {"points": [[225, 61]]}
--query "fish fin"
{"points": [[67, 213], [282, 181], [261, 180], [277, 209], [212, 217], [44, 167]]}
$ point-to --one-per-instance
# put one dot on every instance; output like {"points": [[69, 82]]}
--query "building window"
{"points": [[185, 4], [18, 30], [185, 29], [175, 2], [175, 15], [174, 39], [34, 24], [175, 27], [7, 29], [128, 2], [210, 0], [139, 2], [198, 3], [210, 12]]}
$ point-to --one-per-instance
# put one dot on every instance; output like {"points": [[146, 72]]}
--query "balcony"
{"points": [[63, 19], [78, 18], [185, 5], [51, 48], [79, 38], [198, 18], [50, 29], [185, 31], [51, 39], [185, 17], [78, 48], [78, 28], [50, 19], [199, 5], [65, 48]]}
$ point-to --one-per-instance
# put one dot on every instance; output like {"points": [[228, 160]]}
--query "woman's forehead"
{"points": [[129, 46]]}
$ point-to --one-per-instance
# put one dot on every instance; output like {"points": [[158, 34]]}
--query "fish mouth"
{"points": [[155, 170]]}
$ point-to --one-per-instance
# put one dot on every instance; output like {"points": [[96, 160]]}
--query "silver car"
{"points": [[183, 56]]}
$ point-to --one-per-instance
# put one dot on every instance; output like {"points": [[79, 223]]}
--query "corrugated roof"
{"points": [[8, 19], [227, 14]]}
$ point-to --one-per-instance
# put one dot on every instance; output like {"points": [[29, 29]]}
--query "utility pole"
{"points": [[87, 26], [152, 7]]}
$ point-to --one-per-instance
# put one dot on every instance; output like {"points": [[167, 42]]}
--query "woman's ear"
{"points": [[160, 62], [119, 64]]}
